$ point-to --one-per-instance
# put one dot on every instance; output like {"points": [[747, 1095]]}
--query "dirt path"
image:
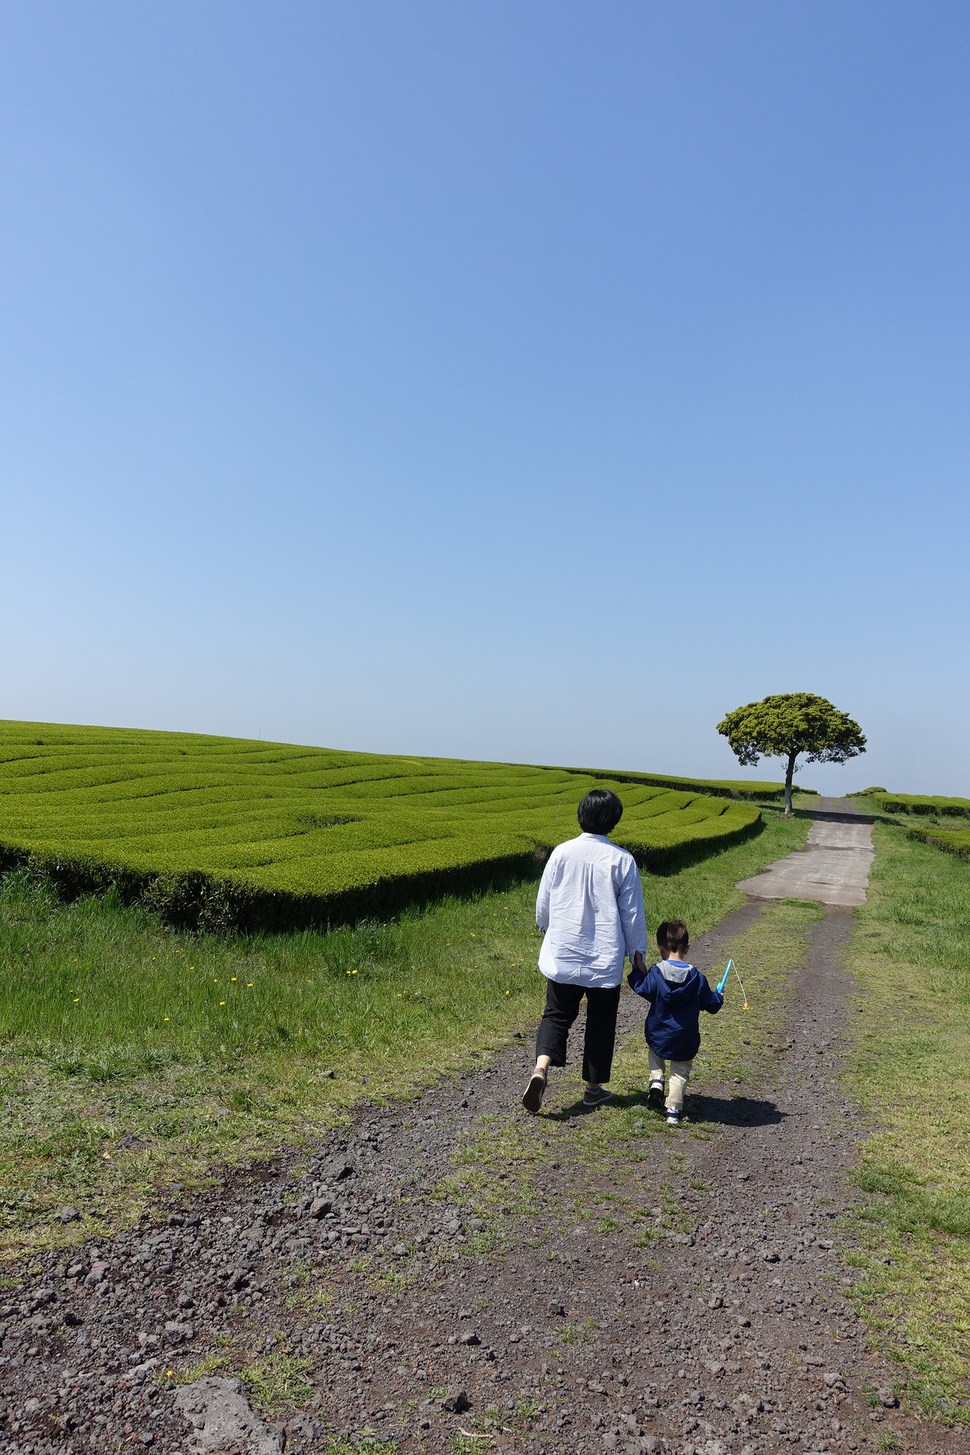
{"points": [[687, 1298]]}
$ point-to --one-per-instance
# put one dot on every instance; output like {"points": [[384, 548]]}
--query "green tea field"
{"points": [[218, 831]]}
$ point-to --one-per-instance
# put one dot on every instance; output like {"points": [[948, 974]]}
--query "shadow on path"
{"points": [[835, 810], [734, 1111], [724, 1111], [819, 816], [829, 810]]}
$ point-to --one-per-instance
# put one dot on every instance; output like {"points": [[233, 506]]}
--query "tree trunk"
{"points": [[788, 778]]}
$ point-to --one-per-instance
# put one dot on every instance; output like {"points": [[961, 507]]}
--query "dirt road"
{"points": [[520, 1308]]}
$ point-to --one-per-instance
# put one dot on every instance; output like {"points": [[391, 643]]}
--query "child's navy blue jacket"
{"points": [[672, 1029]]}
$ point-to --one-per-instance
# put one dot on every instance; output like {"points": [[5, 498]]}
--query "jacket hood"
{"points": [[679, 980]]}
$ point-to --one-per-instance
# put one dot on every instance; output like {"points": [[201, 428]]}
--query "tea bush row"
{"points": [[920, 804], [953, 841], [718, 787], [226, 902]]}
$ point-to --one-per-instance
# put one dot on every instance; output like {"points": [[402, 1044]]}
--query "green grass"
{"points": [[911, 954], [274, 1381], [278, 1381], [218, 832], [122, 1069]]}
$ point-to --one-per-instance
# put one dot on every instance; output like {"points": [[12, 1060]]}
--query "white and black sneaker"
{"points": [[674, 1116], [655, 1096]]}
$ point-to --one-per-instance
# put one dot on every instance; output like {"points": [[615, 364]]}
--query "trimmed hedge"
{"points": [[221, 905], [952, 841], [924, 806], [219, 833]]}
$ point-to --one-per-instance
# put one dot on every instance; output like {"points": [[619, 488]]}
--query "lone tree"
{"points": [[788, 725]]}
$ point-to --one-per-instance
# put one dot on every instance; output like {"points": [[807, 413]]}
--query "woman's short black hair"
{"points": [[600, 811]]}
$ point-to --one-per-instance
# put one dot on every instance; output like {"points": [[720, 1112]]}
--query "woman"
{"points": [[590, 909]]}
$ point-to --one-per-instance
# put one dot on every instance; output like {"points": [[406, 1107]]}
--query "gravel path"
{"points": [[525, 1313]]}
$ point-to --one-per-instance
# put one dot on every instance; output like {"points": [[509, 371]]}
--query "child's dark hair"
{"points": [[662, 929], [677, 937], [599, 812]]}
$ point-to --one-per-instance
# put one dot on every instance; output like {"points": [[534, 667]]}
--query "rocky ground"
{"points": [[544, 1294]]}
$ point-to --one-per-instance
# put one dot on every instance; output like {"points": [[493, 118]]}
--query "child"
{"points": [[677, 992]]}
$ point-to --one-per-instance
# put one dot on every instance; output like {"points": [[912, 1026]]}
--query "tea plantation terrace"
{"points": [[232, 833]]}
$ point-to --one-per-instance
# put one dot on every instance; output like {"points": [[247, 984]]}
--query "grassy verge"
{"points": [[133, 1056], [911, 955]]}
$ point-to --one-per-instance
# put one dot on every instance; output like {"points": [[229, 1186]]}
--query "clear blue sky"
{"points": [[511, 379]]}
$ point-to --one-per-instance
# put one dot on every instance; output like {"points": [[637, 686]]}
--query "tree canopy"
{"points": [[788, 725]]}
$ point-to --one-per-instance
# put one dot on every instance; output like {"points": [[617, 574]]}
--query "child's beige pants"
{"points": [[679, 1077]]}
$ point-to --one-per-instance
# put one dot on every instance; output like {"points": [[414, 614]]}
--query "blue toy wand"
{"points": [[724, 980]]}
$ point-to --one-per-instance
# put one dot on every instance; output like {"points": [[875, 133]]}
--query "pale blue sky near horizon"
{"points": [[516, 381]]}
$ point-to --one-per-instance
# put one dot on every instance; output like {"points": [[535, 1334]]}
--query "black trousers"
{"points": [[562, 1008]]}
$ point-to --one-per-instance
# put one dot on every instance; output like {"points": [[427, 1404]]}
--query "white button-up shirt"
{"points": [[590, 905]]}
